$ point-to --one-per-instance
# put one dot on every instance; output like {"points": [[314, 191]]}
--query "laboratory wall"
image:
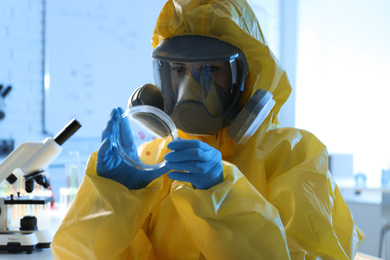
{"points": [[21, 68]]}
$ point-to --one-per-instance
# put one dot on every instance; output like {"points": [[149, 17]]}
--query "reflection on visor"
{"points": [[206, 83], [203, 91], [204, 73]]}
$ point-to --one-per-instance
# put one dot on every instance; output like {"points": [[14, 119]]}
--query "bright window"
{"points": [[343, 79]]}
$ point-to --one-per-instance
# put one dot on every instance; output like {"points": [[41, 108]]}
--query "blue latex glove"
{"points": [[110, 165], [202, 162]]}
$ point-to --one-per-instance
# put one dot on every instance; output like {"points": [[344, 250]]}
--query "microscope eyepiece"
{"points": [[67, 132]]}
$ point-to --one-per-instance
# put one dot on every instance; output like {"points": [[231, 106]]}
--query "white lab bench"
{"points": [[370, 207]]}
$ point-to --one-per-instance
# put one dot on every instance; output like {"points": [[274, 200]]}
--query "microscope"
{"points": [[30, 159]]}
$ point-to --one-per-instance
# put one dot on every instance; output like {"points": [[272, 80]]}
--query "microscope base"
{"points": [[15, 241]]}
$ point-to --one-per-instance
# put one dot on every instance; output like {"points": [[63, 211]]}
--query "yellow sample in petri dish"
{"points": [[141, 136]]}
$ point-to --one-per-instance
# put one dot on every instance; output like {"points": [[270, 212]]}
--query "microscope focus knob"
{"points": [[28, 223]]}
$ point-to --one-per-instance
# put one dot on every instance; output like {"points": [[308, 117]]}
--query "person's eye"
{"points": [[179, 69], [214, 68]]}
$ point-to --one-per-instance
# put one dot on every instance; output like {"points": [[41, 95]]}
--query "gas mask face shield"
{"points": [[200, 97], [201, 80]]}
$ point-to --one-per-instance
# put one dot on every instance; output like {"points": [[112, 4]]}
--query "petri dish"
{"points": [[141, 136]]}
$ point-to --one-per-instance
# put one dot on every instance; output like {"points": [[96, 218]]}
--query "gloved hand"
{"points": [[109, 163], [202, 162]]}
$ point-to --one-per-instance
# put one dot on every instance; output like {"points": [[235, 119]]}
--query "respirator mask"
{"points": [[199, 82]]}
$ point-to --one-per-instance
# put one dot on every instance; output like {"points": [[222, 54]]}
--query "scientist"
{"points": [[260, 192]]}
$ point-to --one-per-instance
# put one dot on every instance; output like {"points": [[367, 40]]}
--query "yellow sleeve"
{"points": [[231, 220], [317, 221], [103, 219]]}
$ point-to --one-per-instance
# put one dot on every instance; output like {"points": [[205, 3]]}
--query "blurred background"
{"points": [[79, 59]]}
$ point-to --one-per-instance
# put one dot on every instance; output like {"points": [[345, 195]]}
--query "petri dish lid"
{"points": [[141, 136]]}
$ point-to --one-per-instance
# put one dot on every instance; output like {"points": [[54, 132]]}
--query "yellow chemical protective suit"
{"points": [[277, 201]]}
